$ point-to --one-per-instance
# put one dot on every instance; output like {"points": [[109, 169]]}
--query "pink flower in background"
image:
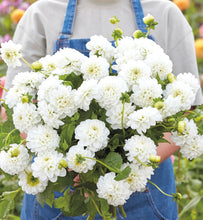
{"points": [[3, 113], [24, 6], [15, 3], [4, 8], [2, 109], [201, 30], [2, 83], [5, 38]]}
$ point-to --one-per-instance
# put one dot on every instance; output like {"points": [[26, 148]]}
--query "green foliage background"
{"points": [[189, 174]]}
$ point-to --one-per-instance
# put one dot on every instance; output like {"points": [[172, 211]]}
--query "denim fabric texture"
{"points": [[148, 205]]}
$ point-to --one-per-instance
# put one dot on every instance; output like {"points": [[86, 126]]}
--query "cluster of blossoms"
{"points": [[68, 89]]}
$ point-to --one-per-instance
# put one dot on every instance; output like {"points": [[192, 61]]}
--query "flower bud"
{"points": [[181, 126], [37, 65], [149, 19], [63, 164], [138, 34], [15, 152], [154, 158], [171, 77], [177, 196], [159, 105], [171, 120], [118, 31], [113, 20], [25, 99], [199, 118]]}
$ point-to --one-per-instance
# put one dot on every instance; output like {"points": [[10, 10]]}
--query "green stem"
{"points": [[3, 88], [161, 125], [22, 142], [141, 162], [110, 168], [3, 100], [122, 118], [116, 40], [166, 194], [95, 205], [114, 212], [111, 69], [26, 62], [122, 211], [8, 135], [148, 31]]}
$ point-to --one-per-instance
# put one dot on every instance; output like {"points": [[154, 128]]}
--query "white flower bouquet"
{"points": [[99, 117]]}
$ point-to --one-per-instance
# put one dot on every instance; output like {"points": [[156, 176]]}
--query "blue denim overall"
{"points": [[148, 205]]}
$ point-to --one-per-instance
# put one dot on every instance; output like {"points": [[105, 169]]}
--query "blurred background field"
{"points": [[189, 174]]}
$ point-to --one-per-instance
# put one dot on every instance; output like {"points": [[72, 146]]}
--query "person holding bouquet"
{"points": [[49, 25]]}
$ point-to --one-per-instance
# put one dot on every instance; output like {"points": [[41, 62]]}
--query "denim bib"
{"points": [[148, 205]]}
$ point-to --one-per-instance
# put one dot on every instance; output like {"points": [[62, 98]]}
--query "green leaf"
{"points": [[7, 202], [13, 217], [113, 160], [104, 206], [124, 174], [48, 195], [73, 204], [67, 134], [64, 201], [68, 83], [190, 205], [74, 79], [91, 209], [64, 145]]}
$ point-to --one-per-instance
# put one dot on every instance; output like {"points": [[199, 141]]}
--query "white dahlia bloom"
{"points": [[189, 133], [134, 70], [48, 64], [10, 53], [144, 118], [140, 147], [136, 49], [93, 134], [115, 192], [14, 160], [95, 68], [25, 116], [160, 64], [28, 79], [100, 46], [48, 114], [85, 94], [179, 89], [47, 87], [109, 91], [30, 184], [193, 148], [114, 115], [62, 101], [138, 176], [42, 139], [76, 160], [73, 61], [47, 166], [15, 94], [171, 106], [145, 91], [190, 80]]}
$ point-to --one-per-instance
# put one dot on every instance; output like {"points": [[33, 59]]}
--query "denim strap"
{"points": [[139, 14], [69, 18], [137, 7]]}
